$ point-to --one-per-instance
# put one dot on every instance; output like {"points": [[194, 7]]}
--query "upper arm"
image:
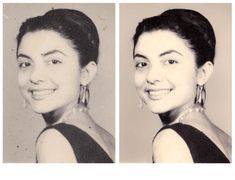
{"points": [[53, 147], [169, 147]]}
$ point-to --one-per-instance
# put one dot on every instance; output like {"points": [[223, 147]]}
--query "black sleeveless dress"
{"points": [[202, 149], [85, 148]]}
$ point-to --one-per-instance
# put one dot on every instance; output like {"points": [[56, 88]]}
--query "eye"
{"points": [[140, 65], [54, 61], [24, 64], [171, 61]]}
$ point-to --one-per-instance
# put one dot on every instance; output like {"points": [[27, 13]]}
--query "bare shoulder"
{"points": [[109, 141], [169, 147], [106, 136], [226, 141], [225, 138], [98, 133], [53, 147]]}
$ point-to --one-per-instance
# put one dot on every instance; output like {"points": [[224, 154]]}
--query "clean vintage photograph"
{"points": [[175, 83]]}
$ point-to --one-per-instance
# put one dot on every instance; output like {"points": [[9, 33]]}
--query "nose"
{"points": [[37, 75], [155, 74]]}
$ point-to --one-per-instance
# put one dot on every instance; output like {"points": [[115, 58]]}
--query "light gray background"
{"points": [[138, 127], [22, 126]]}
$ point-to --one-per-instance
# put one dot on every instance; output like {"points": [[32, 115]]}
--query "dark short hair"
{"points": [[187, 24], [71, 24]]}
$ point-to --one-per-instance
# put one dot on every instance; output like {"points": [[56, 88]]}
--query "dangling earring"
{"points": [[24, 104], [83, 98], [141, 104], [200, 95]]}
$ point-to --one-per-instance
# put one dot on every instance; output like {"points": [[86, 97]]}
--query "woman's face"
{"points": [[49, 71], [165, 71]]}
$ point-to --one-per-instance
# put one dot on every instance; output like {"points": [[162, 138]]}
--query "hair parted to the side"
{"points": [[72, 25], [187, 24]]}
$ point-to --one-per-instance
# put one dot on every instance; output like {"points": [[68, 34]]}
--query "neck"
{"points": [[54, 116], [171, 116]]}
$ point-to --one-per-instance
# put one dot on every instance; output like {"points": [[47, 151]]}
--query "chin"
{"points": [[42, 110], [43, 107], [159, 108]]}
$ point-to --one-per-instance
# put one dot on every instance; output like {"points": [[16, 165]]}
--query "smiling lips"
{"points": [[40, 94], [156, 94]]}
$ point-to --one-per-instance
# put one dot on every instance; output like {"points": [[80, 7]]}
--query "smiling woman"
{"points": [[173, 56], [47, 62], [170, 79], [174, 62], [57, 56]]}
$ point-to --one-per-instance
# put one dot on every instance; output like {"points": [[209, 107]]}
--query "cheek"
{"points": [[67, 78], [140, 78], [184, 82], [23, 79]]}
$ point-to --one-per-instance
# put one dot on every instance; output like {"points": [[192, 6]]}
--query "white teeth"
{"points": [[42, 92], [158, 94]]}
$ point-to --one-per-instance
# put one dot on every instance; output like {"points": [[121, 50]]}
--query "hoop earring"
{"points": [[200, 95], [84, 98]]}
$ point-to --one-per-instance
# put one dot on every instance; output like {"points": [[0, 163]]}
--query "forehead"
{"points": [[159, 41], [42, 41]]}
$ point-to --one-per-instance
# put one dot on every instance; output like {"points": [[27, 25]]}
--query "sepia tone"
{"points": [[138, 126]]}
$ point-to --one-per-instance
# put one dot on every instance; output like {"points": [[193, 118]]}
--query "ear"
{"points": [[204, 73], [88, 73]]}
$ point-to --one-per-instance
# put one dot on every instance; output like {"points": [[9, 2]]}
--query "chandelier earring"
{"points": [[83, 98], [200, 95]]}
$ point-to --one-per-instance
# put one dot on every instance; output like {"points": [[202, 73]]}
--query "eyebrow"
{"points": [[43, 54], [23, 56], [52, 52], [169, 52], [162, 54], [140, 56]]}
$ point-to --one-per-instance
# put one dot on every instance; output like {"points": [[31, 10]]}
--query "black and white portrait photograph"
{"points": [[175, 83], [117, 89], [58, 104]]}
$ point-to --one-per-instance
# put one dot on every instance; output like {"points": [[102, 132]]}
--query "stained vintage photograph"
{"points": [[58, 104], [175, 83]]}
